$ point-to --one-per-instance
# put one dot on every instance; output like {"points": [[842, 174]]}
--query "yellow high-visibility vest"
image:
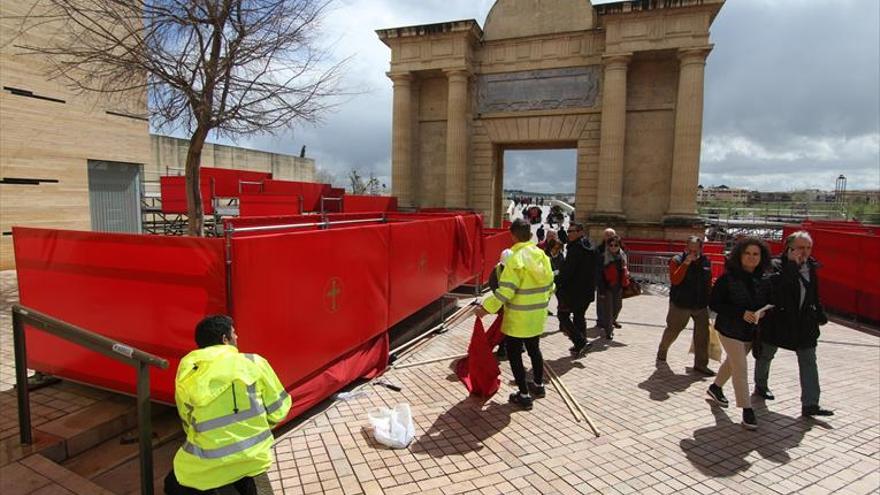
{"points": [[228, 402], [524, 291]]}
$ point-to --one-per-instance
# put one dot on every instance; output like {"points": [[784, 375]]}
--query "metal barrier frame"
{"points": [[140, 360]]}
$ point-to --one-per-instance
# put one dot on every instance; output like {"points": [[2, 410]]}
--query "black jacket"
{"points": [[734, 293], [693, 291], [576, 282], [792, 325]]}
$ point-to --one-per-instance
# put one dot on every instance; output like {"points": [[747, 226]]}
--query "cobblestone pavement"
{"points": [[658, 434]]}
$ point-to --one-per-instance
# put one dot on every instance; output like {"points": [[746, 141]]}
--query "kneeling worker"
{"points": [[228, 402]]}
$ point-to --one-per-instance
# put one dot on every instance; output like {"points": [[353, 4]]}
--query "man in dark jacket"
{"points": [[690, 273], [576, 287], [794, 321]]}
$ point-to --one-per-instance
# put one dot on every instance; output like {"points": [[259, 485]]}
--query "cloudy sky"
{"points": [[792, 95]]}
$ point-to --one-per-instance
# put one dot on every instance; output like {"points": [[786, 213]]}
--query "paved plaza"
{"points": [[658, 434]]}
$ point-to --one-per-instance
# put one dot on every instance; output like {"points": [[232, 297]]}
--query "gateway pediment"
{"points": [[522, 18]]}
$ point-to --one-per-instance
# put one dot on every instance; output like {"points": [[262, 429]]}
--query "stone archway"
{"points": [[622, 83]]}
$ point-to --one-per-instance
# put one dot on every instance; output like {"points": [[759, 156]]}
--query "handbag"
{"points": [[632, 290]]}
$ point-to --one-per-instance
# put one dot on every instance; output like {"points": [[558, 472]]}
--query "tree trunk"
{"points": [[194, 210]]}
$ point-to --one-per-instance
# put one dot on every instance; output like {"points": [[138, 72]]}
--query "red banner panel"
{"points": [[494, 242], [145, 291], [173, 194], [421, 263], [848, 274], [267, 204], [354, 204], [228, 183], [302, 300]]}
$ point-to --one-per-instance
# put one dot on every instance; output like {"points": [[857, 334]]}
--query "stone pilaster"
{"points": [[401, 140], [457, 139], [688, 135], [609, 205]]}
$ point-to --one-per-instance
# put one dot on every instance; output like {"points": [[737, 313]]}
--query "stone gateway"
{"points": [[621, 83]]}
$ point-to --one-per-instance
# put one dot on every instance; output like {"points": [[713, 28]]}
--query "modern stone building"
{"points": [[621, 83], [76, 162]]}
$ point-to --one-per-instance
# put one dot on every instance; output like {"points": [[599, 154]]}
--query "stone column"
{"points": [[688, 134], [401, 140], [457, 139], [613, 137]]}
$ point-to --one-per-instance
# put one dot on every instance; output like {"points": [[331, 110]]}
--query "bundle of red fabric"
{"points": [[479, 371]]}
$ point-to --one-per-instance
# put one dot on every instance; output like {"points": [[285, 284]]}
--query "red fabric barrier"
{"points": [[325, 297], [228, 181], [353, 204], [261, 205], [421, 263], [848, 275], [366, 361], [145, 291], [173, 193], [494, 242]]}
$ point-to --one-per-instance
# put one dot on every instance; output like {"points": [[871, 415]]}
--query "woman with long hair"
{"points": [[737, 297]]}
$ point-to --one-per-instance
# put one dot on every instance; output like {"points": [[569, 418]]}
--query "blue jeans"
{"points": [[809, 372]]}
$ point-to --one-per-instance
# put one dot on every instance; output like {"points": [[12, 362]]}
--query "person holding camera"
{"points": [[690, 274], [794, 322]]}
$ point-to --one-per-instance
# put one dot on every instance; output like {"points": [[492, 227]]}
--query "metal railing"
{"points": [[142, 361], [651, 267]]}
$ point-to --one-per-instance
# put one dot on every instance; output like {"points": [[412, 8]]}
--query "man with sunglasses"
{"points": [[576, 288]]}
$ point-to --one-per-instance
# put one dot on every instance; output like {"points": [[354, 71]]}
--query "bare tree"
{"points": [[361, 186], [231, 67]]}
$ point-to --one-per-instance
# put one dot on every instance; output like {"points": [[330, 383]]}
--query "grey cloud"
{"points": [[797, 81]]}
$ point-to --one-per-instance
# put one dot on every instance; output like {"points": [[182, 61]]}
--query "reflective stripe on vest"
{"points": [[525, 292], [501, 297], [256, 409], [527, 307], [278, 403], [229, 449], [536, 290]]}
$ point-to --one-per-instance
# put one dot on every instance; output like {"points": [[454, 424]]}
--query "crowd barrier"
{"points": [[849, 266], [146, 291], [228, 183], [354, 203], [494, 242], [316, 302], [260, 205], [173, 192]]}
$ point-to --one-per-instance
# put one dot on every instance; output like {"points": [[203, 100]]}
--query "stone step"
{"points": [[113, 452], [124, 479], [36, 474], [92, 425]]}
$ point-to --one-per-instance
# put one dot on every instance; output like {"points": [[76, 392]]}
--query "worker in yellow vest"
{"points": [[228, 402], [524, 292]]}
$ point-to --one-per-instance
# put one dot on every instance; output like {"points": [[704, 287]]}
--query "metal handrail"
{"points": [[259, 228], [114, 349]]}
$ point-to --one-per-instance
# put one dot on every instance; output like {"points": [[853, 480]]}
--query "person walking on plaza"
{"points": [[524, 292], [540, 233], [737, 297], [794, 321], [576, 287], [610, 282], [228, 402], [690, 274]]}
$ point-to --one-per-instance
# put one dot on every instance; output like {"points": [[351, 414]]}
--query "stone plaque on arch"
{"points": [[543, 89]]}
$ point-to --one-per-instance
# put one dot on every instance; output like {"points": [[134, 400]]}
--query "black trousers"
{"points": [[577, 330], [514, 347], [246, 486]]}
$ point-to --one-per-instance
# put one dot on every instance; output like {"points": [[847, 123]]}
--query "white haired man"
{"points": [[794, 321]]}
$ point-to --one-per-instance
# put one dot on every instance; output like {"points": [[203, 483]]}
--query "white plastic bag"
{"points": [[393, 427]]}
